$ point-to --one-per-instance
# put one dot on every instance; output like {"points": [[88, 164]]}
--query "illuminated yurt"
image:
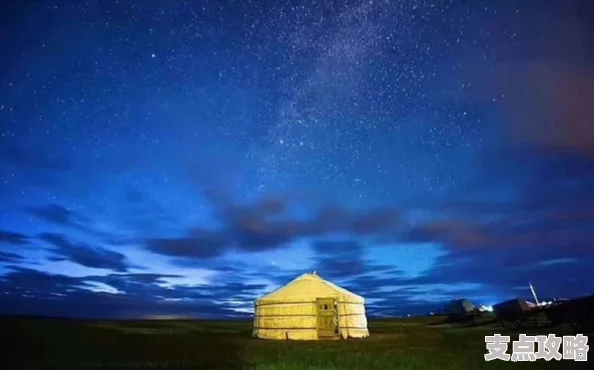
{"points": [[310, 308]]}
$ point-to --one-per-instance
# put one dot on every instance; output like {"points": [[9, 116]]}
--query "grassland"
{"points": [[31, 343]]}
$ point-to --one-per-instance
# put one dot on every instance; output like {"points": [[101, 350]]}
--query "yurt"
{"points": [[310, 308], [459, 306]]}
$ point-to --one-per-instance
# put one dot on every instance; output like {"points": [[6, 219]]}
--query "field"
{"points": [[33, 343]]}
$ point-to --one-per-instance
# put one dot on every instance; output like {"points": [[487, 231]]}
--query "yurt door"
{"points": [[327, 316]]}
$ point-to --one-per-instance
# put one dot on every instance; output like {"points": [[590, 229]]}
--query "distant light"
{"points": [[153, 56]]}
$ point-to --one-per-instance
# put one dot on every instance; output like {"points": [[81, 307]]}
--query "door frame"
{"points": [[334, 309]]}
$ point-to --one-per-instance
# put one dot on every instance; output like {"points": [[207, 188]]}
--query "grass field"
{"points": [[31, 343]]}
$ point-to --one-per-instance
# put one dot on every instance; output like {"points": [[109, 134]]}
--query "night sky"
{"points": [[181, 158]]}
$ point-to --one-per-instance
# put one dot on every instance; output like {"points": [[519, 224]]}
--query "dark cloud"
{"points": [[485, 277], [530, 220], [197, 244], [85, 255], [254, 234], [32, 292], [534, 200], [266, 225], [10, 237], [155, 286], [6, 257], [534, 224], [28, 282], [259, 226], [147, 278], [453, 234], [58, 215], [553, 275], [534, 236]]}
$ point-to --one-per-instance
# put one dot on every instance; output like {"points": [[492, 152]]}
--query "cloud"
{"points": [[508, 251], [523, 232], [267, 225], [485, 277], [157, 287], [85, 255], [568, 279], [27, 291], [58, 215], [6, 257], [197, 244], [529, 199], [453, 234], [10, 237], [509, 226], [530, 210], [480, 234], [24, 281]]}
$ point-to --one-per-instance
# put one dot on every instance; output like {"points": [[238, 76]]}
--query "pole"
{"points": [[533, 292]]}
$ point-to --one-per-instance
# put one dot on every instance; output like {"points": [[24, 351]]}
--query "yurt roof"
{"points": [[308, 287]]}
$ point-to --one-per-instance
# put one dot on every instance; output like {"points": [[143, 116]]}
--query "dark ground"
{"points": [[421, 343]]}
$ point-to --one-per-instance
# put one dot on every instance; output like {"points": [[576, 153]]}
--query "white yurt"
{"points": [[310, 308]]}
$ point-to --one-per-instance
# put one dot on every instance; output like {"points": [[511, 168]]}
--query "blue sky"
{"points": [[184, 157]]}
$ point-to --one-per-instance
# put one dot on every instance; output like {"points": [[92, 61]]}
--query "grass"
{"points": [[411, 344]]}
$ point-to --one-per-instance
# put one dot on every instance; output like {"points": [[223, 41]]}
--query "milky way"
{"points": [[346, 120]]}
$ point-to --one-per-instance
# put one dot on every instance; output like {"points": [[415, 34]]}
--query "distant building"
{"points": [[516, 304], [310, 308]]}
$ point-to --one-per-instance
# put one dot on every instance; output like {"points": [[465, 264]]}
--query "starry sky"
{"points": [[173, 158]]}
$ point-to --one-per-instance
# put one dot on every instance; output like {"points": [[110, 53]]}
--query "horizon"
{"points": [[183, 159], [440, 310]]}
